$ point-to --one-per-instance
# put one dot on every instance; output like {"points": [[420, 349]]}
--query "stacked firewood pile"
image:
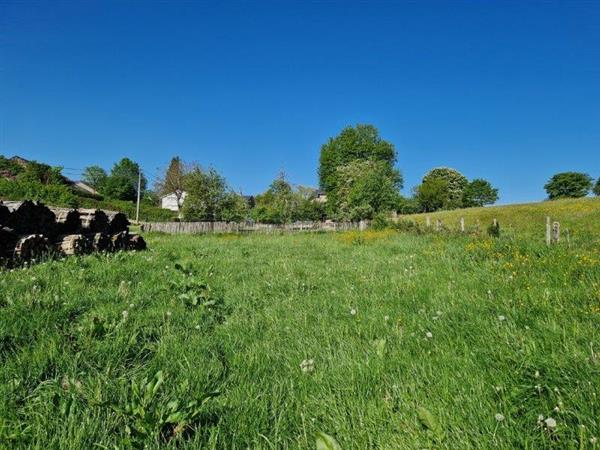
{"points": [[29, 230]]}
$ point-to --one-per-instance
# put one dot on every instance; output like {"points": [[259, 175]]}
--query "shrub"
{"points": [[381, 221], [51, 194], [494, 229]]}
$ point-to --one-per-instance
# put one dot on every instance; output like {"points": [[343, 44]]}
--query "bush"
{"points": [[51, 194], [381, 221], [407, 226], [494, 229]]}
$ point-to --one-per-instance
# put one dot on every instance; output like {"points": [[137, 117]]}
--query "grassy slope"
{"points": [[513, 331], [578, 215]]}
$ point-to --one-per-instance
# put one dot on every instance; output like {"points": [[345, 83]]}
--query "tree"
{"points": [[597, 187], [173, 180], [364, 188], [479, 192], [568, 184], [432, 194], [95, 176], [123, 181], [277, 204], [207, 195], [37, 172], [353, 143], [456, 185]]}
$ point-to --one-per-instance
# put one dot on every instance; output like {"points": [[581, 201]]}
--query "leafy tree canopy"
{"points": [[456, 185], [353, 143], [597, 187], [568, 184], [479, 192], [363, 189], [95, 176], [432, 194]]}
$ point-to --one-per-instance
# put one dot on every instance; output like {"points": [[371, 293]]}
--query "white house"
{"points": [[169, 201]]}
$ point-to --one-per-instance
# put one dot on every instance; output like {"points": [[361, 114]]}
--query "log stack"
{"points": [[29, 230]]}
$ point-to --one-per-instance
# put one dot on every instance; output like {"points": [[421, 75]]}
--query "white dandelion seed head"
{"points": [[386, 318], [540, 418], [168, 313], [353, 311], [307, 365], [499, 417], [197, 327], [536, 374], [429, 334], [550, 422], [501, 318], [593, 440], [125, 314]]}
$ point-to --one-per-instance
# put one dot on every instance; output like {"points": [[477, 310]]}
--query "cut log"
{"points": [[67, 220], [100, 242], [118, 222], [29, 217], [119, 241], [8, 240], [73, 244], [94, 220], [31, 247], [136, 242], [4, 213]]}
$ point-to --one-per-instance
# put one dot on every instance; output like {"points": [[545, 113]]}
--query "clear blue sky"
{"points": [[508, 91]]}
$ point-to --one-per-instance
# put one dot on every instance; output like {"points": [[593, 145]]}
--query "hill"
{"points": [[580, 216]]}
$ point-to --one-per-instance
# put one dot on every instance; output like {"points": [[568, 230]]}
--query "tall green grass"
{"points": [[206, 342]]}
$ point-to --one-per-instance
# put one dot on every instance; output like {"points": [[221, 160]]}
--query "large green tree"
{"points": [[456, 185], [277, 204], [122, 182], [597, 187], [364, 188], [210, 199], [361, 142], [568, 184], [174, 179], [432, 194], [479, 192], [95, 176]]}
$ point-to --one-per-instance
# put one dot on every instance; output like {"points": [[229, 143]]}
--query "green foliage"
{"points": [[51, 194], [364, 188], [597, 187], [568, 184], [353, 143], [494, 230], [96, 177], [278, 204], [408, 205], [479, 192], [456, 185], [8, 167], [432, 425], [148, 213], [432, 194], [326, 442], [122, 182], [209, 198], [381, 221]]}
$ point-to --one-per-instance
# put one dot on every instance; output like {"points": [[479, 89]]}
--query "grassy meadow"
{"points": [[381, 339]]}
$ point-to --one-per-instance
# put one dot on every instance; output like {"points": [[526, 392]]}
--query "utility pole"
{"points": [[137, 206]]}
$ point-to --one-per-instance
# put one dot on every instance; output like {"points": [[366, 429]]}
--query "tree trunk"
{"points": [[101, 242], [117, 222], [119, 241], [136, 242], [73, 244]]}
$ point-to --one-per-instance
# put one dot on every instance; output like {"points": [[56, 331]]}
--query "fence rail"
{"points": [[232, 227]]}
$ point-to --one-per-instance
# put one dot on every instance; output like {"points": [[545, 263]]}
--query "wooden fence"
{"points": [[232, 227]]}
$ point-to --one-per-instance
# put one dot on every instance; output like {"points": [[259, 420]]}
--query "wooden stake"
{"points": [[462, 224], [548, 231], [555, 232]]}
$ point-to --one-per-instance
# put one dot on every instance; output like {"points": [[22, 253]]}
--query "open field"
{"points": [[199, 342], [580, 216]]}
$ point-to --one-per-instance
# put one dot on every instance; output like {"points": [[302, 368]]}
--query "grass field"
{"points": [[580, 216], [380, 339]]}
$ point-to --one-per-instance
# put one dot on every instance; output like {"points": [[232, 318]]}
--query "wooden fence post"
{"points": [[495, 223], [548, 231], [555, 232], [462, 224]]}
